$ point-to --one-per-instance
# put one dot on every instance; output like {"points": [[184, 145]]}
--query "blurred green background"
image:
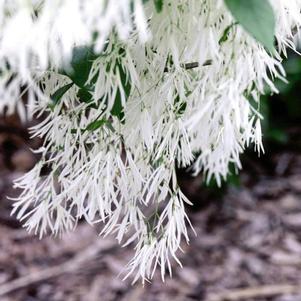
{"points": [[281, 125], [281, 129]]}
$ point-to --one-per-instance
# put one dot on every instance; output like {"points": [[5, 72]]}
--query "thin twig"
{"points": [[196, 64], [193, 65], [255, 292], [67, 267]]}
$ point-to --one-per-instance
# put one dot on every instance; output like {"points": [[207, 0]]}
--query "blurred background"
{"points": [[248, 244]]}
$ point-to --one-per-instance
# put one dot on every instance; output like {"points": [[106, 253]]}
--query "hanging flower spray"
{"points": [[130, 91]]}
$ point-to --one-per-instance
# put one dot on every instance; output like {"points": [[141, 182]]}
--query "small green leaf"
{"points": [[158, 5], [117, 109], [110, 127], [257, 18], [58, 94], [180, 106], [226, 32], [95, 125], [84, 95]]}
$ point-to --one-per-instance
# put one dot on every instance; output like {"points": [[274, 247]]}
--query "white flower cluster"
{"points": [[172, 89]]}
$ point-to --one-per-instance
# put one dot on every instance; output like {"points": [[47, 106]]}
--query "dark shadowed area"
{"points": [[248, 243]]}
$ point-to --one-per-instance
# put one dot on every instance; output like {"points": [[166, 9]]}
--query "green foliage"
{"points": [[58, 94], [117, 109], [158, 5], [226, 33], [282, 112], [232, 179], [95, 125], [78, 72], [84, 95], [257, 18], [81, 63], [281, 121]]}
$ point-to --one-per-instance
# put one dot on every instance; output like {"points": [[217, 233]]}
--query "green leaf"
{"points": [[257, 18], [226, 32], [58, 94], [80, 66], [117, 109], [158, 5], [95, 125], [84, 95]]}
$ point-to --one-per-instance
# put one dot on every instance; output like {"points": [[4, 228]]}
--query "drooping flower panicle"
{"points": [[156, 91]]}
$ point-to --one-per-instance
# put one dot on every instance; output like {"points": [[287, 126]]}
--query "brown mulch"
{"points": [[248, 244]]}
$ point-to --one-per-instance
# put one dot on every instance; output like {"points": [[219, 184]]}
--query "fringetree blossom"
{"points": [[128, 91]]}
